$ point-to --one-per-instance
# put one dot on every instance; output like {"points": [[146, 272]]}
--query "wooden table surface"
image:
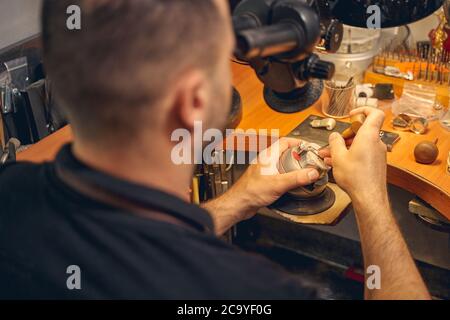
{"points": [[429, 182]]}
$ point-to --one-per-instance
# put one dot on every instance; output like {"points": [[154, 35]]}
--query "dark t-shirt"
{"points": [[53, 238]]}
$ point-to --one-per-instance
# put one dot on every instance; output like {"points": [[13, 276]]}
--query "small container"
{"points": [[341, 99]]}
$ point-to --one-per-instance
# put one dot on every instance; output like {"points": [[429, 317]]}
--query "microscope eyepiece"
{"points": [[284, 29], [268, 41], [245, 21]]}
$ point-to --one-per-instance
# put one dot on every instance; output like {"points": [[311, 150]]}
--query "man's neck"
{"points": [[150, 168]]}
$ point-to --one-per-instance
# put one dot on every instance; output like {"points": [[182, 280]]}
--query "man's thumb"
{"points": [[294, 179], [337, 145]]}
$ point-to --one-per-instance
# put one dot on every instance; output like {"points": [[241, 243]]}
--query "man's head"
{"points": [[139, 66]]}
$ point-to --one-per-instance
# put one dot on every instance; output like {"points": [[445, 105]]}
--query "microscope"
{"points": [[279, 38]]}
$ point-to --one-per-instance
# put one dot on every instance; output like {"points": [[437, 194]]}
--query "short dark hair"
{"points": [[125, 55]]}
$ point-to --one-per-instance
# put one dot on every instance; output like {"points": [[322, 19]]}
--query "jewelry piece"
{"points": [[417, 125], [306, 155], [327, 123]]}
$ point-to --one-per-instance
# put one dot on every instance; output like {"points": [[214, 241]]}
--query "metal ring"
{"points": [[419, 125]]}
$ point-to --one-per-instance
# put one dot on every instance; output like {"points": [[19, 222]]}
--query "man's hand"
{"points": [[259, 186], [361, 169], [361, 172]]}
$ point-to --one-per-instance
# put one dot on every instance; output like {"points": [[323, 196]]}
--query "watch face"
{"points": [[392, 13]]}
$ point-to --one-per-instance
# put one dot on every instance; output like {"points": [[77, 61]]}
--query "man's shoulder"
{"points": [[20, 176]]}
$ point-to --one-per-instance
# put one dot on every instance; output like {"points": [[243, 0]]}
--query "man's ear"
{"points": [[191, 98]]}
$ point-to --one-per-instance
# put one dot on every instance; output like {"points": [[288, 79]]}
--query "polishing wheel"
{"points": [[303, 207]]}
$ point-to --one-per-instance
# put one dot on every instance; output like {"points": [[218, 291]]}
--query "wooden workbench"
{"points": [[429, 182]]}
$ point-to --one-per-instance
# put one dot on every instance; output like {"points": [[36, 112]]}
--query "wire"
{"points": [[240, 62], [405, 43], [231, 163]]}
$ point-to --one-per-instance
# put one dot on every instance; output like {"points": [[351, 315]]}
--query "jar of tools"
{"points": [[341, 98]]}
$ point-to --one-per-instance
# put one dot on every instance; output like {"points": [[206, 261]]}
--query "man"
{"points": [[110, 217]]}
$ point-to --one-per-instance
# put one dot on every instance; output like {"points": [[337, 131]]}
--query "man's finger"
{"points": [[291, 180], [270, 156], [286, 143], [374, 118], [325, 153], [337, 145], [279, 147], [363, 110]]}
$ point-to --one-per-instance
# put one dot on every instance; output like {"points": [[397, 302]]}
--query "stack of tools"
{"points": [[341, 98], [211, 181], [425, 65]]}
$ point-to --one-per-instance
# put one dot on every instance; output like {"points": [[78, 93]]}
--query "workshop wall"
{"points": [[421, 28], [19, 20]]}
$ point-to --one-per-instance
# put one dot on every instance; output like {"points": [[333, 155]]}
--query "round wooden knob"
{"points": [[426, 152], [356, 123]]}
